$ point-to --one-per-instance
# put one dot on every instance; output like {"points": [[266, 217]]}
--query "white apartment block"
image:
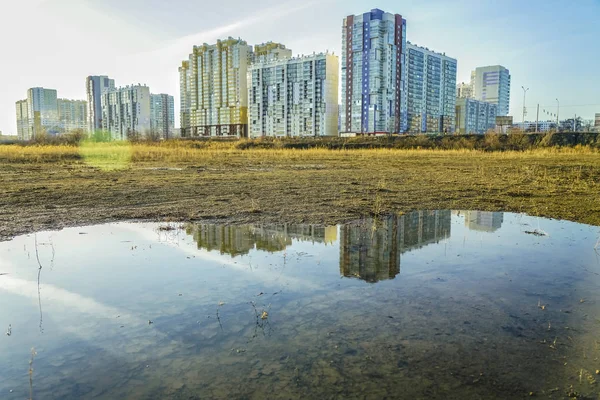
{"points": [[162, 115], [464, 90], [42, 113], [94, 87], [431, 94], [294, 96], [42, 110], [373, 73], [214, 89], [23, 132], [72, 115], [492, 85], [474, 116], [126, 111]]}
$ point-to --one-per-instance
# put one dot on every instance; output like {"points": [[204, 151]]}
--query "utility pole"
{"points": [[524, 108], [537, 118], [557, 112]]}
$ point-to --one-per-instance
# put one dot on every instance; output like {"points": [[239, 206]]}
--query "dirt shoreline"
{"points": [[317, 187]]}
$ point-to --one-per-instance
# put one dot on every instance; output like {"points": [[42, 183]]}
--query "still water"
{"points": [[435, 304]]}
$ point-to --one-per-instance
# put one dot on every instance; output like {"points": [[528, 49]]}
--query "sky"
{"points": [[550, 46]]}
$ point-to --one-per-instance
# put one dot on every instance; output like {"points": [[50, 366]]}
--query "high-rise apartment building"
{"points": [[597, 121], [185, 98], [474, 116], [126, 111], [431, 90], [464, 90], [72, 115], [373, 73], [214, 90], [294, 96], [492, 85], [23, 132], [95, 86], [42, 110], [162, 115]]}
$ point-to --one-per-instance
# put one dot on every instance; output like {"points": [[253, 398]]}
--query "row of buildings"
{"points": [[119, 111], [43, 110], [127, 111], [388, 85], [481, 100]]}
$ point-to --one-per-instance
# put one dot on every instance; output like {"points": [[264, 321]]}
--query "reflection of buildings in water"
{"points": [[371, 250], [239, 240], [484, 221]]}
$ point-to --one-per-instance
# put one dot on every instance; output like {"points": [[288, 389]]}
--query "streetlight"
{"points": [[524, 108], [557, 112]]}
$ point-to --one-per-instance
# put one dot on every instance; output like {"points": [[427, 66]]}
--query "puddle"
{"points": [[440, 304]]}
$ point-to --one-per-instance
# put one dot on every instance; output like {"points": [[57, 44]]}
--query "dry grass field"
{"points": [[51, 186]]}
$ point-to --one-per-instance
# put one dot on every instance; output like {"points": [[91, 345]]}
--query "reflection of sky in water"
{"points": [[432, 288]]}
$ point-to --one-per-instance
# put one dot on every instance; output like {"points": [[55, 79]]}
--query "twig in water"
{"points": [[219, 318], [37, 256]]}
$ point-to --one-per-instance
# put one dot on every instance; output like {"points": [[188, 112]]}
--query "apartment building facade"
{"points": [[126, 111], [42, 110], [214, 90], [373, 73], [474, 116], [431, 91], [294, 96], [464, 90], [492, 85], [23, 132], [162, 115], [94, 87], [72, 115]]}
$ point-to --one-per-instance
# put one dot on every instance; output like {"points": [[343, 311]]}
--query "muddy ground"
{"points": [[310, 186]]}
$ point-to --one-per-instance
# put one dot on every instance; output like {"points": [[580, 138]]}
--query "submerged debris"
{"points": [[9, 331], [536, 232], [540, 305], [264, 315]]}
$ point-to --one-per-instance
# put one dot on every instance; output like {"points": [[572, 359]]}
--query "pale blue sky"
{"points": [[552, 46]]}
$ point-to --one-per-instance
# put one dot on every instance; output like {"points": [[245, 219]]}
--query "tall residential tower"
{"points": [[492, 85], [22, 120], [42, 110], [214, 89], [373, 73], [126, 111], [162, 115], [431, 91], [94, 87]]}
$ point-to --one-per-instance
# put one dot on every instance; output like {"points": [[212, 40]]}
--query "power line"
{"points": [[577, 105]]}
